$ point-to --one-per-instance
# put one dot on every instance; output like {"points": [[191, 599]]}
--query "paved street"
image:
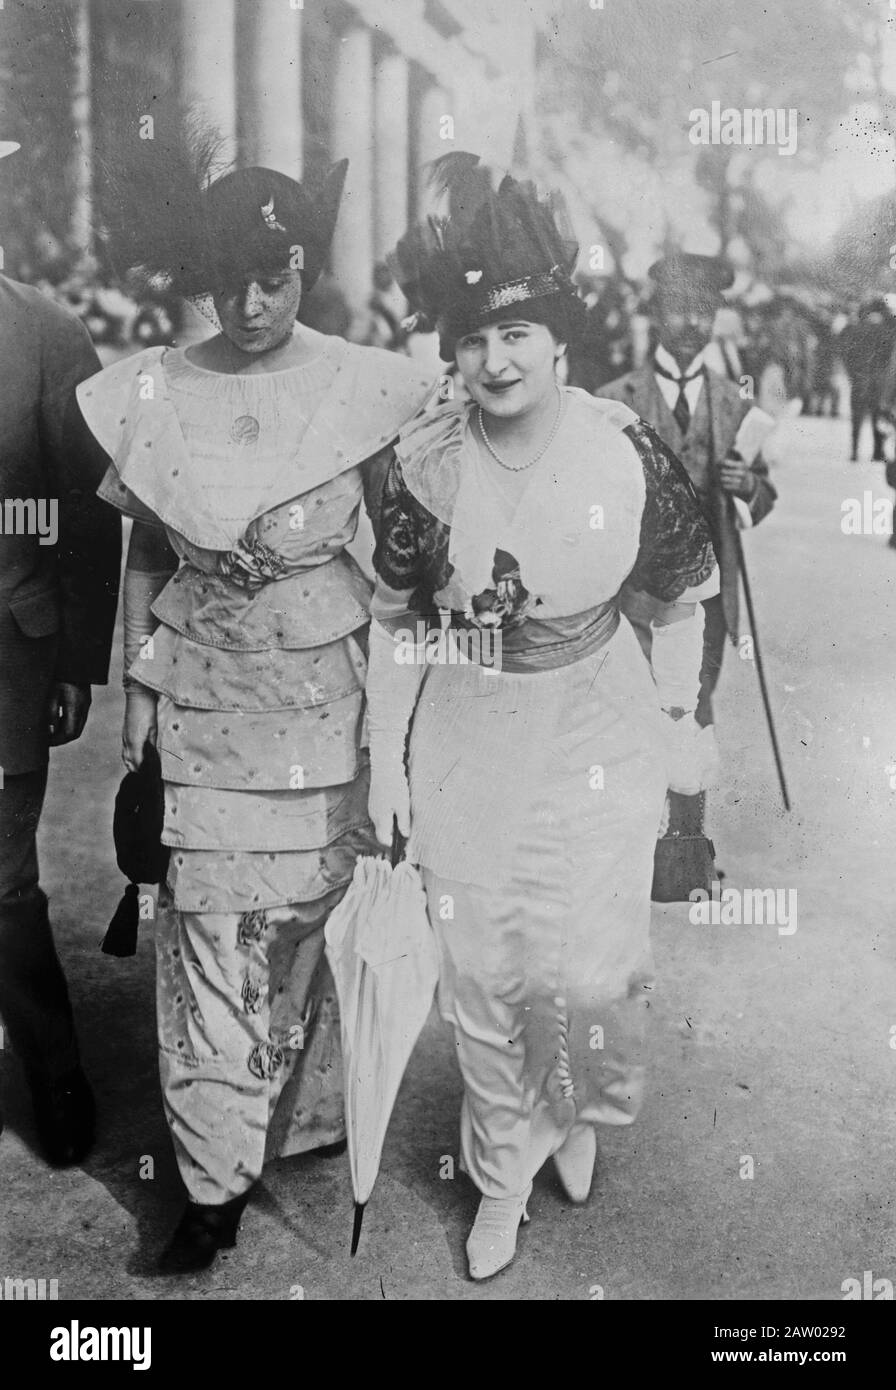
{"points": [[771, 1052]]}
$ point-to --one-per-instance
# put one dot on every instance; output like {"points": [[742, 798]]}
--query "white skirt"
{"points": [[535, 804]]}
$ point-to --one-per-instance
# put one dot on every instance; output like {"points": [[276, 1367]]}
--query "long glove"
{"points": [[141, 588], [676, 658], [140, 591], [395, 670]]}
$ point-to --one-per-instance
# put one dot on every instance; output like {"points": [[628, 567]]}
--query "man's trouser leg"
{"points": [[34, 1002], [684, 856], [858, 411]]}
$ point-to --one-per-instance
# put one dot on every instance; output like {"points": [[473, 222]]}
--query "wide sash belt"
{"points": [[537, 644]]}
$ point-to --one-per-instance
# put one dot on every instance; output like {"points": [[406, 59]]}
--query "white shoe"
{"points": [[491, 1244], [574, 1162]]}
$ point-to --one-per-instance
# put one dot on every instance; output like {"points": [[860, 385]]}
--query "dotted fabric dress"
{"points": [[259, 666]]}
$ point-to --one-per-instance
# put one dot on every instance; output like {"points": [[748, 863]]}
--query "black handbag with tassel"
{"points": [[684, 859], [141, 856]]}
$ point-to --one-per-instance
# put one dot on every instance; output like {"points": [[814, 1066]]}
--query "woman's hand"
{"points": [[139, 725], [389, 797], [692, 756]]}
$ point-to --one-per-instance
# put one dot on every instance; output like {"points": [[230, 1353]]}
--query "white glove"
{"points": [[392, 689], [676, 655], [389, 798], [693, 758], [139, 592]]}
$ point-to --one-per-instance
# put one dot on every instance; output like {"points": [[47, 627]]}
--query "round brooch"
{"points": [[245, 429]]}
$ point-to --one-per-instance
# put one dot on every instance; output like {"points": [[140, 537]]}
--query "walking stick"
{"points": [[760, 671]]}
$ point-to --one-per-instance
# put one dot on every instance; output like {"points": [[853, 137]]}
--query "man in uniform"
{"points": [[60, 552], [697, 412]]}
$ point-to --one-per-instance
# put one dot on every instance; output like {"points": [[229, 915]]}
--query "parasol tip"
{"points": [[398, 843], [356, 1229]]}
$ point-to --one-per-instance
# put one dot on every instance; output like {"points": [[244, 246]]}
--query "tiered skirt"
{"points": [[260, 713], [260, 708]]}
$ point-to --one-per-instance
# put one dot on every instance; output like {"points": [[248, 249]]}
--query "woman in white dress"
{"points": [[540, 739]]}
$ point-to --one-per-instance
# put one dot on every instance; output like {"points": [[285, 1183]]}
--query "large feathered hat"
{"points": [[500, 248], [170, 212]]}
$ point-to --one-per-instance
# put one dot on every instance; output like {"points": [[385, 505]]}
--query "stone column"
{"points": [[81, 227], [436, 115], [270, 117], [352, 138], [207, 62], [391, 152]]}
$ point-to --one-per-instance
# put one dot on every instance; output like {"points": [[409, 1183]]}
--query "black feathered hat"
{"points": [[169, 217], [499, 250], [260, 219]]}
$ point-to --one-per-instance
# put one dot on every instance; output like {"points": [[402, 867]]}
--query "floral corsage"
{"points": [[251, 563], [507, 604]]}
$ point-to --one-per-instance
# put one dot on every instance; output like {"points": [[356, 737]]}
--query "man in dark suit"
{"points": [[865, 346], [697, 412], [60, 551]]}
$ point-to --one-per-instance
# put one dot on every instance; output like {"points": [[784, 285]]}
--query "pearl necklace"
{"points": [[521, 467]]}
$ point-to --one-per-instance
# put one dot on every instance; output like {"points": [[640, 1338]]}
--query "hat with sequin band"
{"points": [[500, 251], [170, 212]]}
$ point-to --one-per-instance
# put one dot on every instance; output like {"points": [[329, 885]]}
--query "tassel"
{"points": [[356, 1226], [121, 938]]}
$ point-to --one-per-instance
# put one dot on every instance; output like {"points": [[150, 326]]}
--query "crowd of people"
{"points": [[827, 359], [579, 495], [796, 351]]}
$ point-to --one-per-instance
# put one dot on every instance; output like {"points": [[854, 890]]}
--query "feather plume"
{"points": [[151, 191], [496, 228]]}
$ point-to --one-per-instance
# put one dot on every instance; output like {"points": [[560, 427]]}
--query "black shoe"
{"points": [[331, 1150], [65, 1114], [201, 1232]]}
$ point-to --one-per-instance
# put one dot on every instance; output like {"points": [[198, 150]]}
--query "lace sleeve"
{"points": [[411, 554], [675, 550]]}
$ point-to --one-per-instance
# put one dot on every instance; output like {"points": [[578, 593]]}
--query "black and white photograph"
{"points": [[447, 714]]}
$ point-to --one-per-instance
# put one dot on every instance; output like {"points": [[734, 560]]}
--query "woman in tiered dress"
{"points": [[240, 461], [537, 774]]}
